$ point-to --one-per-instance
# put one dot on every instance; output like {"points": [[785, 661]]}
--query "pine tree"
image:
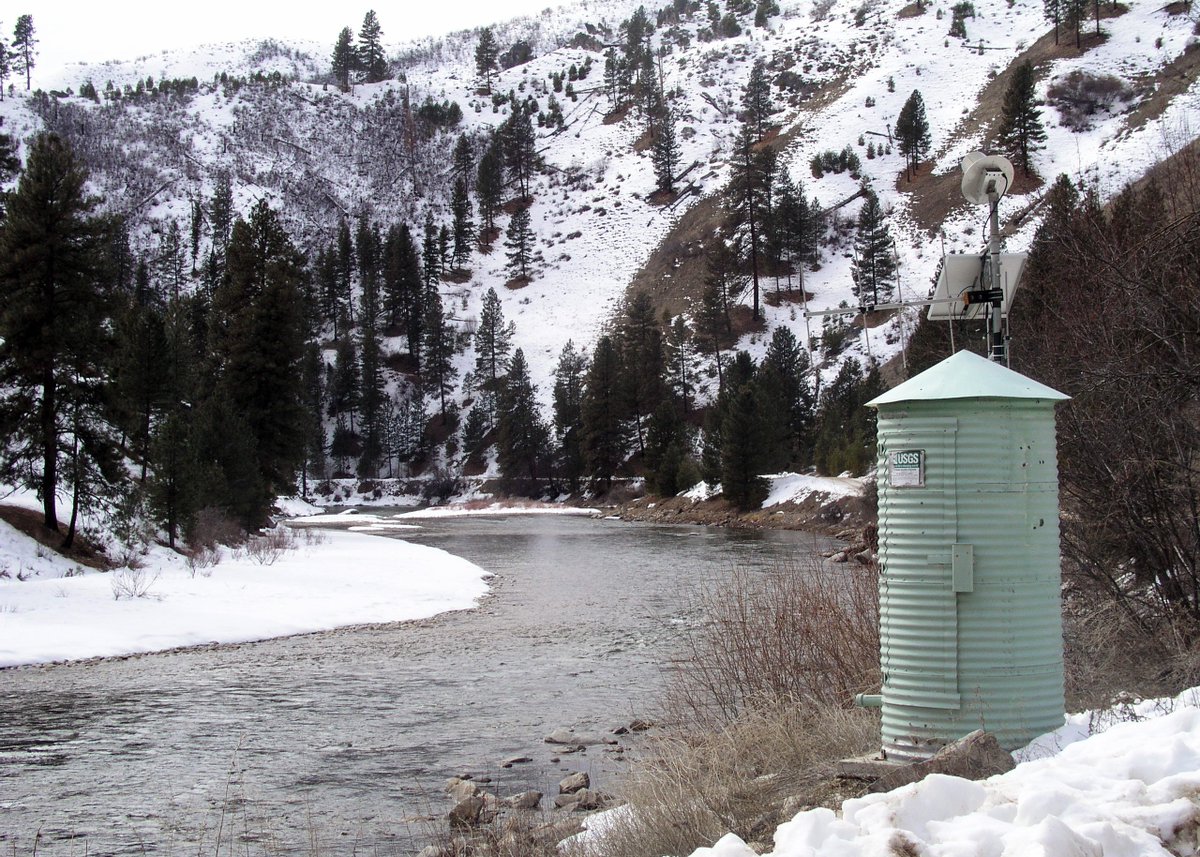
{"points": [[437, 354], [464, 226], [345, 260], [486, 54], [345, 58], [520, 155], [519, 242], [464, 161], [677, 348], [54, 299], [371, 58], [756, 101], [791, 401], [344, 389], [431, 257], [667, 443], [749, 198], [1021, 132], [664, 151], [641, 349], [24, 48], [603, 414], [846, 434], [261, 350], [522, 437], [743, 445], [492, 341], [490, 185], [313, 466], [404, 289], [912, 133], [6, 61], [874, 263], [173, 491], [371, 386], [220, 215], [568, 413], [1053, 11]]}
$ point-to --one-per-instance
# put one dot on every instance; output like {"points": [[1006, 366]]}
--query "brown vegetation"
{"points": [[31, 523]]}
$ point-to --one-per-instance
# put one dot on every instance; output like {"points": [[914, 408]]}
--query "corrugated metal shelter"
{"points": [[970, 622]]}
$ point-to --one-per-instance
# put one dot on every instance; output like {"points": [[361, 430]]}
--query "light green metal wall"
{"points": [[970, 623]]}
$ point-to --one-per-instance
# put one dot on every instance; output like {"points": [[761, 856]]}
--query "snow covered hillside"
{"points": [[841, 73]]}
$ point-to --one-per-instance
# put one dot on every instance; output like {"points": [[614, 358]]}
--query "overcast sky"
{"points": [[94, 31]]}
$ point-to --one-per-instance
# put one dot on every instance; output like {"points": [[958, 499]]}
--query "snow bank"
{"points": [[1132, 790], [795, 487], [346, 579]]}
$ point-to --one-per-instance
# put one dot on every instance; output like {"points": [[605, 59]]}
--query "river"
{"points": [[345, 738]]}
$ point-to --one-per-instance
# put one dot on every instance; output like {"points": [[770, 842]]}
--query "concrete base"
{"points": [[869, 768]]}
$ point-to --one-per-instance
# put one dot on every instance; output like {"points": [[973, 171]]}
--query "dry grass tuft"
{"points": [[805, 633], [746, 778]]}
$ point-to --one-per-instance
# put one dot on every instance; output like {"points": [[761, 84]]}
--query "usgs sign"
{"points": [[906, 468]]}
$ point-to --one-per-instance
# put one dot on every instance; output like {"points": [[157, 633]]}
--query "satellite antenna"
{"points": [[971, 285]]}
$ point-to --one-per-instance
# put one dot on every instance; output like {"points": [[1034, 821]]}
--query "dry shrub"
{"points": [[213, 527], [1080, 95], [267, 548], [803, 633], [1112, 648], [746, 778]]}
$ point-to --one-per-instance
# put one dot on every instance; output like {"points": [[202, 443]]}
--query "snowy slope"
{"points": [[595, 227]]}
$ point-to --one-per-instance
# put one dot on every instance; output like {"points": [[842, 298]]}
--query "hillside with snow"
{"points": [[840, 71]]}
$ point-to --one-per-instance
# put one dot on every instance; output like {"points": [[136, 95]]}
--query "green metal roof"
{"points": [[966, 375]]}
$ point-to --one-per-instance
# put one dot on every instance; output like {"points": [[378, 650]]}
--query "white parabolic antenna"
{"points": [[984, 175]]}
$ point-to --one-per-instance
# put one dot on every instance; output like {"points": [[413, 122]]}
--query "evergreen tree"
{"points": [[464, 161], [520, 154], [314, 445], [141, 384], [464, 226], [677, 348], [431, 257], [602, 414], [664, 151], [1021, 132], [437, 355], [519, 242], [874, 263], [1053, 11], [486, 54], [750, 198], [912, 133], [522, 437], [667, 444], [344, 389], [54, 299], [220, 216], [492, 341], [846, 434], [568, 413], [756, 100], [24, 48], [371, 58], [261, 350], [404, 289], [790, 399], [490, 184], [345, 259], [345, 58], [641, 349], [6, 60], [371, 387], [743, 448]]}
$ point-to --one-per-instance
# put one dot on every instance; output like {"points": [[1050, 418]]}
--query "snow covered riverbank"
{"points": [[52, 609]]}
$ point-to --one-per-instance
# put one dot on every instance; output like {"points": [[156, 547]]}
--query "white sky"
{"points": [[95, 31]]}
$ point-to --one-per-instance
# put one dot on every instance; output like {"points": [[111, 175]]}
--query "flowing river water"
{"points": [[341, 742]]}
